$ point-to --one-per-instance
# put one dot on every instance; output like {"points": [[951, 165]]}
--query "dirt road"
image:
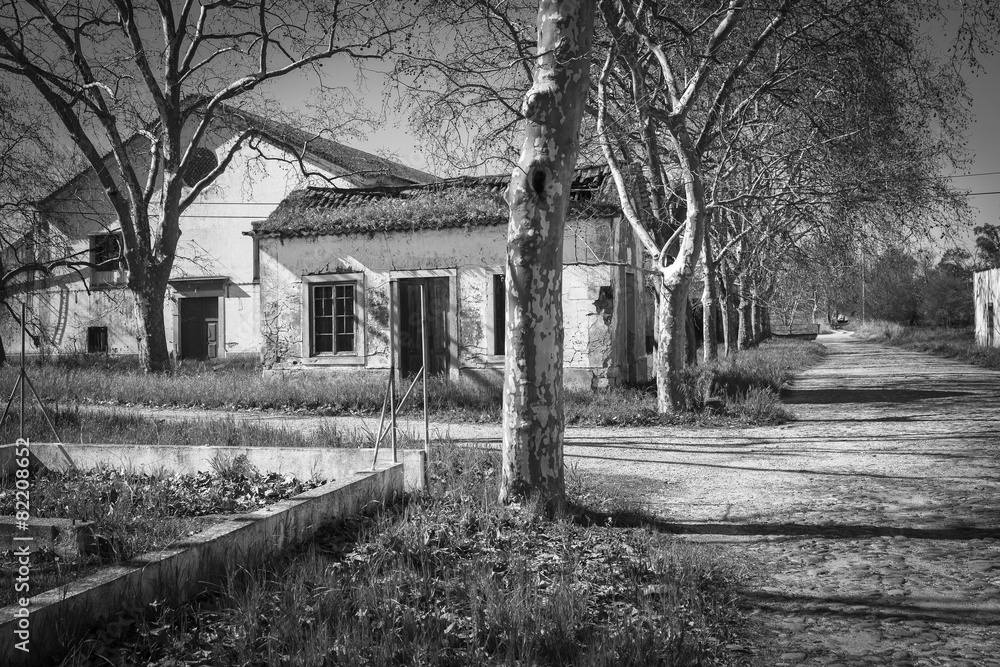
{"points": [[875, 516]]}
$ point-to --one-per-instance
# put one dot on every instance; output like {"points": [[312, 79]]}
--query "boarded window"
{"points": [[333, 318]]}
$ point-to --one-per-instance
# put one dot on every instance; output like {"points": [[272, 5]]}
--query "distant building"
{"points": [[986, 288], [341, 271], [212, 305]]}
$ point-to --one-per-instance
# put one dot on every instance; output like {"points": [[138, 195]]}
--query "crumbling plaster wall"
{"points": [[474, 255]]}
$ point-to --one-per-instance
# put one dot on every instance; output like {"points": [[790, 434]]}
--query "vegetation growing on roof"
{"points": [[418, 209]]}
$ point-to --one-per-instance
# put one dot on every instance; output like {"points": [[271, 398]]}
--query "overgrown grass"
{"points": [[737, 389], [453, 578], [118, 426], [135, 512], [954, 343]]}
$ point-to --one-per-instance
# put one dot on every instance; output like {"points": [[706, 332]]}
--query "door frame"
{"points": [[451, 321], [221, 326]]}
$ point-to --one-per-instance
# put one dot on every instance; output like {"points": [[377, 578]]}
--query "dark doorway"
{"points": [[410, 342], [199, 327]]}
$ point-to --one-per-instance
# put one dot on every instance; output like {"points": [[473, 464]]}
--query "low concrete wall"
{"points": [[58, 616], [302, 462]]}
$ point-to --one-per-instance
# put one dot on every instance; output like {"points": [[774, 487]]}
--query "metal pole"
{"points": [[23, 329], [392, 375], [424, 352]]}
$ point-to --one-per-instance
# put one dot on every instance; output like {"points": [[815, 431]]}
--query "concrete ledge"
{"points": [[58, 616], [302, 462]]}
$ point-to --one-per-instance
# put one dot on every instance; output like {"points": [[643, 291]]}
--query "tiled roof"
{"points": [[457, 202], [358, 166]]}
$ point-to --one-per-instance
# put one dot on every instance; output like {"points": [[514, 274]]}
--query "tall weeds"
{"points": [[712, 390], [453, 578]]}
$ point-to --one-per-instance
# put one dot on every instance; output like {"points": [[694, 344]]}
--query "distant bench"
{"points": [[801, 331]]}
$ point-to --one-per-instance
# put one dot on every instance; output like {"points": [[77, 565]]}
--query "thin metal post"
{"points": [[381, 421], [424, 370], [401, 403], [392, 374]]}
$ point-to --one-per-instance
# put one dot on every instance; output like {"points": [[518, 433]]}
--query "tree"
{"points": [[843, 92], [987, 246], [947, 297], [137, 87], [533, 424]]}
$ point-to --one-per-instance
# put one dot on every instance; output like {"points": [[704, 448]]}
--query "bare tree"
{"points": [[138, 87], [533, 423]]}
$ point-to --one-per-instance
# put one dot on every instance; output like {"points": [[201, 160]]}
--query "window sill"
{"points": [[342, 360]]}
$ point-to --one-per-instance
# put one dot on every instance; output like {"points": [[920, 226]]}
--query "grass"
{"points": [[118, 426], [955, 343], [740, 389], [134, 513], [453, 578]]}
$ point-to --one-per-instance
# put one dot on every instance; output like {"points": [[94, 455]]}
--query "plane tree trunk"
{"points": [[533, 424]]}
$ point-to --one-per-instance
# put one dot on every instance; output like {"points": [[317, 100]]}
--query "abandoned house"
{"points": [[341, 270], [212, 306], [986, 288]]}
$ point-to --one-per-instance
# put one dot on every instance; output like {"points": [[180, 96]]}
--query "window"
{"points": [[97, 339], [107, 255], [499, 313], [333, 318], [256, 259], [200, 165]]}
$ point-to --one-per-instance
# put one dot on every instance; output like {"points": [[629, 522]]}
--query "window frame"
{"points": [[100, 334], [107, 277], [309, 286]]}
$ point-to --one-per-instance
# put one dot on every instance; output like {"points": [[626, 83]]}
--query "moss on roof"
{"points": [[468, 201], [304, 212]]}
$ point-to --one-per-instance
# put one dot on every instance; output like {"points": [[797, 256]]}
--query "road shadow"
{"points": [[835, 396], [640, 519], [956, 610]]}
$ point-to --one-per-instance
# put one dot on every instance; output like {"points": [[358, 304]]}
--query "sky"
{"points": [[984, 144]]}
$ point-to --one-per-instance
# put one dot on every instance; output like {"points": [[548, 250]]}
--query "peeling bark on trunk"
{"points": [[709, 302], [672, 350], [533, 427], [729, 324]]}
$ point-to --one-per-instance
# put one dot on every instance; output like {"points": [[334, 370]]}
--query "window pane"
{"points": [[322, 319], [333, 318]]}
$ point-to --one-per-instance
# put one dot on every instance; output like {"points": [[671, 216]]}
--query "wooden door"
{"points": [[198, 341], [410, 341]]}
